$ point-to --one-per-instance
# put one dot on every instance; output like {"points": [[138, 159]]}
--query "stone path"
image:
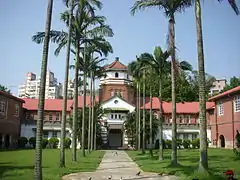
{"points": [[117, 165]]}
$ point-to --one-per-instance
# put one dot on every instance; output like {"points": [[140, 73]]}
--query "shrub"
{"points": [[44, 143], [195, 143], [32, 141], [53, 142], [236, 151], [238, 139], [67, 143], [186, 143], [22, 141], [168, 144], [179, 143]]}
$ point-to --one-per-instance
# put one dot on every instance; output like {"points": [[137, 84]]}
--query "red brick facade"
{"points": [[225, 119], [125, 91], [10, 115]]}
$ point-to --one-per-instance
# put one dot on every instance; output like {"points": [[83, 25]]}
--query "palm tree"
{"points": [[203, 163], [41, 100], [134, 69], [170, 8], [162, 67], [63, 124]]}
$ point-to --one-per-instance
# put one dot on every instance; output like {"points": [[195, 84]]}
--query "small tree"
{"points": [[22, 141], [237, 138]]}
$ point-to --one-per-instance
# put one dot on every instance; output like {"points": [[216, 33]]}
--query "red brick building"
{"points": [[225, 118], [10, 115]]}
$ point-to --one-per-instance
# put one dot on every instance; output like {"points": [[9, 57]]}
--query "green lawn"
{"points": [[20, 164], [220, 160]]}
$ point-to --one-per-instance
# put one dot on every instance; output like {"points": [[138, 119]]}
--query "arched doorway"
{"points": [[222, 141], [115, 138], [7, 141]]}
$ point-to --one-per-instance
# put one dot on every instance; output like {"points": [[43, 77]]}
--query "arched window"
{"points": [[116, 75]]}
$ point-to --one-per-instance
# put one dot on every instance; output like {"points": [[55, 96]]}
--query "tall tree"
{"points": [[41, 100], [4, 88], [170, 8], [203, 163], [160, 64], [65, 96]]}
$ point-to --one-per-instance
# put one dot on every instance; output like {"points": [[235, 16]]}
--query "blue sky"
{"points": [[133, 35]]}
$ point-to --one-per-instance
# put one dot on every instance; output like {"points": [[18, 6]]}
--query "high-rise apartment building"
{"points": [[30, 89]]}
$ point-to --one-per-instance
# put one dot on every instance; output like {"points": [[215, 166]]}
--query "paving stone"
{"points": [[116, 165]]}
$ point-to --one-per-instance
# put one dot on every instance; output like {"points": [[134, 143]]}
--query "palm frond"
{"points": [[234, 6]]}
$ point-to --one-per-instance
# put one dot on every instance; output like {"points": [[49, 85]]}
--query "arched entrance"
{"points": [[222, 141]]}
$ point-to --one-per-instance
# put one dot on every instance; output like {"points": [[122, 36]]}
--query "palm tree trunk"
{"points": [[92, 112], [144, 120], [41, 101], [137, 109], [64, 115], [139, 116], [151, 133], [160, 119], [94, 118], [89, 118], [203, 163], [173, 78], [83, 112], [75, 103]]}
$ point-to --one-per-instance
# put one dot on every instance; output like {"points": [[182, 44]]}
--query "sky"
{"points": [[133, 35]]}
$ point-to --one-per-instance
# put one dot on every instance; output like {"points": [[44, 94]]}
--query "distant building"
{"points": [[218, 86], [10, 115], [30, 89]]}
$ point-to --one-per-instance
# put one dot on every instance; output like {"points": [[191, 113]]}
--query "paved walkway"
{"points": [[117, 165]]}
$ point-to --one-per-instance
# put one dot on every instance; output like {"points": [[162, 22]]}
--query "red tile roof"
{"points": [[54, 104], [185, 107], [231, 91], [50, 104], [116, 65], [8, 95]]}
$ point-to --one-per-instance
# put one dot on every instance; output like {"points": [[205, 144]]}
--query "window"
{"points": [[16, 109], [45, 134], [237, 104], [115, 116], [188, 119], [57, 116], [119, 116], [180, 120], [116, 75], [185, 136], [220, 108], [112, 93], [2, 107], [111, 116], [194, 136], [54, 134], [50, 116]]}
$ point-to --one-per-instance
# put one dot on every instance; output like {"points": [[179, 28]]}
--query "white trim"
{"points": [[220, 108], [236, 103]]}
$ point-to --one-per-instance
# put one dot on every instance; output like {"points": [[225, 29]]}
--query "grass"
{"points": [[220, 160], [20, 164]]}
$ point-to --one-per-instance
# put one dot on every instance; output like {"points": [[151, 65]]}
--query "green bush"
{"points": [[44, 143], [186, 143], [195, 143], [238, 139], [237, 152], [22, 141], [179, 143], [168, 144], [67, 143], [32, 141], [53, 142]]}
